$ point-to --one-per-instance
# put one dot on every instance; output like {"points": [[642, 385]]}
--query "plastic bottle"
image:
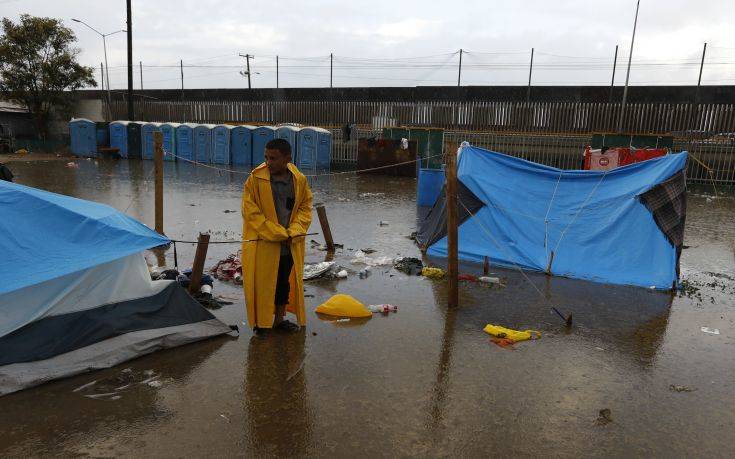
{"points": [[384, 308]]}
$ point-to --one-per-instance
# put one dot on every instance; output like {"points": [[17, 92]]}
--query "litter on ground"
{"points": [[362, 258], [341, 305], [409, 265], [711, 331], [499, 331], [433, 273]]}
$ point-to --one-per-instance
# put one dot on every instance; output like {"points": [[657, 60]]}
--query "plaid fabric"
{"points": [[667, 202]]}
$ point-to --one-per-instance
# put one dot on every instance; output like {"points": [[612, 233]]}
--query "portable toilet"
{"points": [[134, 139], [203, 143], [119, 137], [146, 136], [185, 141], [169, 141], [241, 145], [83, 137], [221, 153], [315, 148], [103, 134], [290, 134], [324, 149], [261, 136]]}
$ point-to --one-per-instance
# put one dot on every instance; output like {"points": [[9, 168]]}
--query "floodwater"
{"points": [[425, 381]]}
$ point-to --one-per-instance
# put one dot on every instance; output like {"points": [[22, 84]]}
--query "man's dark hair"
{"points": [[281, 145]]}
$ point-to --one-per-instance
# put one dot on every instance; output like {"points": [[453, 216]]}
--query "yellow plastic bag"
{"points": [[432, 273], [515, 335], [343, 306]]}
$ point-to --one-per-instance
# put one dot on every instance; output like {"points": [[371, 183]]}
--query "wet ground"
{"points": [[425, 381]]}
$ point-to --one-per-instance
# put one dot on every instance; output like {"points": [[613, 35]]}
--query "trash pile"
{"points": [[204, 296], [229, 269], [409, 265]]}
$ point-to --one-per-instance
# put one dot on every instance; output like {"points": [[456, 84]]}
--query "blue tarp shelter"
{"points": [[622, 226]]}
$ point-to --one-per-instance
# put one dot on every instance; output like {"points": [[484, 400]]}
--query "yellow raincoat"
{"points": [[260, 259]]}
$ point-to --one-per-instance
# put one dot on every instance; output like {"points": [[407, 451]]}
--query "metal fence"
{"points": [[547, 117], [549, 133]]}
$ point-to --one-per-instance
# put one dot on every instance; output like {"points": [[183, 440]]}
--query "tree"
{"points": [[38, 66]]}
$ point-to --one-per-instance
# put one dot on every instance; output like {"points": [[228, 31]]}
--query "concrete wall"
{"points": [[636, 94]]}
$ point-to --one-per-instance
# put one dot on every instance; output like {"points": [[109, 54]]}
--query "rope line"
{"points": [[546, 217], [516, 265], [329, 174], [584, 204]]}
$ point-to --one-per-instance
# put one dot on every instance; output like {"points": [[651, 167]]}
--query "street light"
{"points": [[104, 47]]}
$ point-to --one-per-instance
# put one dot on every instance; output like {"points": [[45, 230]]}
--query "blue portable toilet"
{"points": [[119, 137], [103, 134], [241, 145], [185, 141], [83, 137], [261, 136], [315, 148], [147, 147], [169, 141], [203, 143], [221, 153], [290, 134], [324, 149]]}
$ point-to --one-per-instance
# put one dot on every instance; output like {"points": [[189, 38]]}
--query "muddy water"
{"points": [[424, 381]]}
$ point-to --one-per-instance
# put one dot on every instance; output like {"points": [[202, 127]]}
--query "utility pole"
{"points": [[141, 75], [131, 113], [181, 63], [102, 77], [612, 83], [459, 73], [331, 68], [276, 72], [247, 63], [701, 67], [627, 73], [530, 72]]}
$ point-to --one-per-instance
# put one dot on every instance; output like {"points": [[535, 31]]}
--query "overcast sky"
{"points": [[401, 43]]}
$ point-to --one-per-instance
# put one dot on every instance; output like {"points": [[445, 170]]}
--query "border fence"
{"points": [[552, 133]]}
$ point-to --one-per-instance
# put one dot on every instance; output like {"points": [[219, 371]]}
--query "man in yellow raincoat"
{"points": [[276, 210]]}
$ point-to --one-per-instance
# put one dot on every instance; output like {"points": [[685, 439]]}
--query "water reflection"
{"points": [[275, 394]]}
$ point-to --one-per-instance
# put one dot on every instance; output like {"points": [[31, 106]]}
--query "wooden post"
{"points": [[158, 159], [198, 267], [451, 189], [485, 266], [326, 231]]}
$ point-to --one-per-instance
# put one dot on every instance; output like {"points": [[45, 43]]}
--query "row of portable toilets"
{"points": [[225, 144]]}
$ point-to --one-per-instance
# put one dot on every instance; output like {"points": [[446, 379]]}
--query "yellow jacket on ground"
{"points": [[260, 259]]}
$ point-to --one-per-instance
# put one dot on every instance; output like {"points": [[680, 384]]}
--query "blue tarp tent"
{"points": [[241, 145], [604, 226], [76, 293]]}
